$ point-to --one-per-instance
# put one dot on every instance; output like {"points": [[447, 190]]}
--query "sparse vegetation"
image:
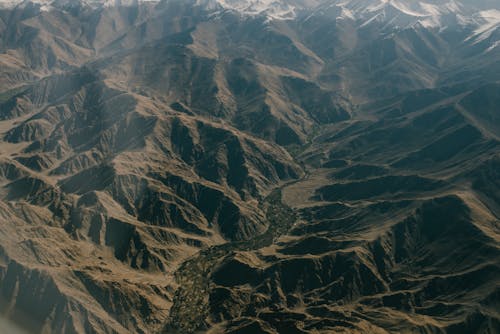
{"points": [[191, 309]]}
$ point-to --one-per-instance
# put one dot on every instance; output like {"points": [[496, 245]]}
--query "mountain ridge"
{"points": [[178, 167]]}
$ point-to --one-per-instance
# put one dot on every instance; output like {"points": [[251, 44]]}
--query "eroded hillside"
{"points": [[187, 166]]}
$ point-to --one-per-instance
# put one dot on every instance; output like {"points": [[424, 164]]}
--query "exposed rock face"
{"points": [[331, 281], [249, 167]]}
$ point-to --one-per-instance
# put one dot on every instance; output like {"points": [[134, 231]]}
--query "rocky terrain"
{"points": [[250, 166]]}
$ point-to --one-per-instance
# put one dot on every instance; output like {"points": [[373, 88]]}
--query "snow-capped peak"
{"points": [[403, 12], [277, 9], [489, 22], [429, 13], [46, 5]]}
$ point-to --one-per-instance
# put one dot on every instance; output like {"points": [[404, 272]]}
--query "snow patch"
{"points": [[490, 21], [275, 9], [46, 5]]}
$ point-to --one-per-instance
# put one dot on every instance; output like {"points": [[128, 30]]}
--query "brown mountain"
{"points": [[209, 166]]}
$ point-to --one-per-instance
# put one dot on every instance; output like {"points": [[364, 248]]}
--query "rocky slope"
{"points": [[249, 167]]}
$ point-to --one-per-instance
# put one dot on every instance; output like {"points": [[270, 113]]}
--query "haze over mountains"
{"points": [[250, 166]]}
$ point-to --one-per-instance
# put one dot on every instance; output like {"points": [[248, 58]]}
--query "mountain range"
{"points": [[250, 166]]}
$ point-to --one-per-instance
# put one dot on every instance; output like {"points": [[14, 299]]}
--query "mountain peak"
{"points": [[46, 5], [276, 9]]}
